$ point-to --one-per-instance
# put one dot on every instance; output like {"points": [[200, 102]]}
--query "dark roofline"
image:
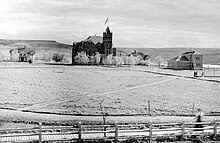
{"points": [[180, 58], [25, 49]]}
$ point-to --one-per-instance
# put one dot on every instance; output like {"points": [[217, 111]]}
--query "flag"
{"points": [[106, 21]]}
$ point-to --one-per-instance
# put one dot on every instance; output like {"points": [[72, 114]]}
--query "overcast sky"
{"points": [[134, 23]]}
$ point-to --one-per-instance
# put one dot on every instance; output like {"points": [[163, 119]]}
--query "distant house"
{"points": [[189, 61], [21, 54], [142, 55]]}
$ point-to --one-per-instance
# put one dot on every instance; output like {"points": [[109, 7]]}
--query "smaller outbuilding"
{"points": [[142, 55], [22, 54], [187, 61]]}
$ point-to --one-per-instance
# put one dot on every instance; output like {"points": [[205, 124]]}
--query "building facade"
{"points": [[94, 44], [21, 54], [187, 61]]}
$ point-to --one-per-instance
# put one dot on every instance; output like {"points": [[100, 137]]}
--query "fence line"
{"points": [[117, 132]]}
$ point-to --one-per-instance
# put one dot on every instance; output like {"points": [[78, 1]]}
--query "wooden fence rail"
{"points": [[114, 132]]}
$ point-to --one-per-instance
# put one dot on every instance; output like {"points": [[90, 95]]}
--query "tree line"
{"points": [[96, 59]]}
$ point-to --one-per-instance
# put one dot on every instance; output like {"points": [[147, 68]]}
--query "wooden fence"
{"points": [[114, 132]]}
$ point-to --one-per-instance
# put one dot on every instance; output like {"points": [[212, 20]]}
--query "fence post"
{"points": [[149, 112], [116, 131], [104, 120], [150, 131], [80, 132], [104, 131], [40, 132], [183, 130], [215, 128], [214, 72], [193, 109]]}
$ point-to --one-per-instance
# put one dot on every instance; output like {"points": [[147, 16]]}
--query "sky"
{"points": [[134, 23]]}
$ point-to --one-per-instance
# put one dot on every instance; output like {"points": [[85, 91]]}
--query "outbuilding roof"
{"points": [[191, 52], [179, 58], [23, 50]]}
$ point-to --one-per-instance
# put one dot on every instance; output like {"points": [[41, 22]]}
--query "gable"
{"points": [[95, 39], [182, 58], [179, 58]]}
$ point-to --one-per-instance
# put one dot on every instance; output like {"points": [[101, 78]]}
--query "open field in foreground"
{"points": [[80, 90]]}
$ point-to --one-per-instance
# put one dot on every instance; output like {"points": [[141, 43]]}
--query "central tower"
{"points": [[107, 42]]}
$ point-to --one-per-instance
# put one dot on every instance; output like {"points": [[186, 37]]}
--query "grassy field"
{"points": [[80, 90]]}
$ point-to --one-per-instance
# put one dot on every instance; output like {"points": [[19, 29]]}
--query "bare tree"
{"points": [[159, 60], [103, 115]]}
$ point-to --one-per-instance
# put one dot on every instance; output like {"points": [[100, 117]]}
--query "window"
{"points": [[108, 52], [197, 58], [198, 64]]}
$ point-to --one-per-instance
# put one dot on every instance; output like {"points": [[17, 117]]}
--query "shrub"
{"points": [[97, 58], [92, 59], [1, 56], [131, 60], [160, 61], [138, 60], [126, 60], [81, 58], [66, 59], [47, 57], [58, 57], [109, 59]]}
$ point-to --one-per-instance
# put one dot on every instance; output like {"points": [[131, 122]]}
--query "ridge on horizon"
{"points": [[124, 47], [14, 41]]}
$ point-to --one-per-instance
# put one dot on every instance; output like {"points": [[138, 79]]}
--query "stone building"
{"points": [[94, 44]]}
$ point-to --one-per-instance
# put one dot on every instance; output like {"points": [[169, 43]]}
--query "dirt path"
{"points": [[13, 115], [95, 94], [134, 87]]}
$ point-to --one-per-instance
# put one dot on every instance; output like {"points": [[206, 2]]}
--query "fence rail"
{"points": [[114, 132]]}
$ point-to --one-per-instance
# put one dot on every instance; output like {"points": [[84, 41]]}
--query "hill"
{"points": [[35, 43], [211, 55], [43, 48]]}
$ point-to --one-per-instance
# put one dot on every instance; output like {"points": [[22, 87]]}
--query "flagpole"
{"points": [[106, 22]]}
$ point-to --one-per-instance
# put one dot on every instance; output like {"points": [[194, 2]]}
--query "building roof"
{"points": [[95, 39], [191, 52], [18, 49], [23, 50], [179, 58], [135, 54], [27, 50]]}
